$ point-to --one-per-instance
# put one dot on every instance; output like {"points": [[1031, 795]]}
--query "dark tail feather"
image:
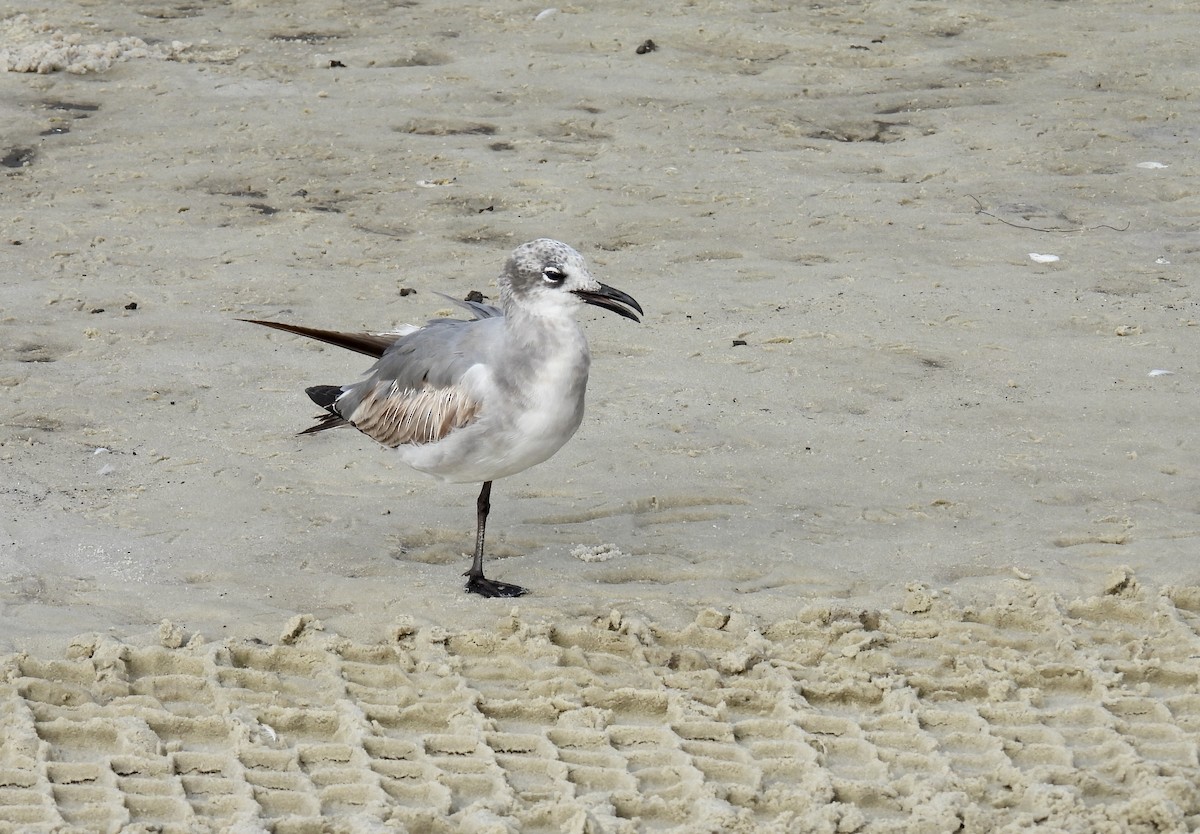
{"points": [[325, 396], [326, 421], [372, 344]]}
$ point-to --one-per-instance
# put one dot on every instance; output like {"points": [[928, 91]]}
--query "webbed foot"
{"points": [[492, 588]]}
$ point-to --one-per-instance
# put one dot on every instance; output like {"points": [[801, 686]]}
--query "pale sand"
{"points": [[919, 556]]}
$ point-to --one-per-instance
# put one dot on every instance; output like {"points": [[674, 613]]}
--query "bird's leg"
{"points": [[477, 583]]}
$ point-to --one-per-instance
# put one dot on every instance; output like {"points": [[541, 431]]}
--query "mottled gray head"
{"points": [[545, 277]]}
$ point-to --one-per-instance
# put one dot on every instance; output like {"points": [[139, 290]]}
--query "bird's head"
{"points": [[550, 278]]}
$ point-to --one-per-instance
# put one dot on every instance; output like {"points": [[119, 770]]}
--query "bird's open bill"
{"points": [[611, 298]]}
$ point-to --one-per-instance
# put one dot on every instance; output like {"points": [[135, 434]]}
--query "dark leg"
{"points": [[477, 583]]}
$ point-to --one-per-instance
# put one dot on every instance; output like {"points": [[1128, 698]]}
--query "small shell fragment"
{"points": [[435, 183], [1042, 259], [1151, 165], [543, 14], [1160, 372]]}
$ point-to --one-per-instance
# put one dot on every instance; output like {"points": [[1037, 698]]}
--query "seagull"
{"points": [[474, 400]]}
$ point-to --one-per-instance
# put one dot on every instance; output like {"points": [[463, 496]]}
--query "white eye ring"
{"points": [[554, 275]]}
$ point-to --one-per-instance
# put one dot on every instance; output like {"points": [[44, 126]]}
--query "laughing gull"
{"points": [[472, 400]]}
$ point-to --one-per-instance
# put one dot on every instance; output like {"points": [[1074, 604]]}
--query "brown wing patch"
{"points": [[395, 416]]}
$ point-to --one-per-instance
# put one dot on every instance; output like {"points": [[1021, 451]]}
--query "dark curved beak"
{"points": [[612, 299]]}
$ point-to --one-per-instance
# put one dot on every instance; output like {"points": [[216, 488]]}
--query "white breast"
{"points": [[522, 421]]}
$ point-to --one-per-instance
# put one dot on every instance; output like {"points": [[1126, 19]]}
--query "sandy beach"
{"points": [[885, 519]]}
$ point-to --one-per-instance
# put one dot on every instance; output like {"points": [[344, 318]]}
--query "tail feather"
{"points": [[372, 344], [325, 421], [325, 396]]}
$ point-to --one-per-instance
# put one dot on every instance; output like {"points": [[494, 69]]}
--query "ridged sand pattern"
{"points": [[1035, 711]]}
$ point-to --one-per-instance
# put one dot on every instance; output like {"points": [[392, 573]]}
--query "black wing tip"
{"points": [[371, 344], [324, 395]]}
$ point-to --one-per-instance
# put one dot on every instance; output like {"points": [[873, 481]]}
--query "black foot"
{"points": [[491, 588]]}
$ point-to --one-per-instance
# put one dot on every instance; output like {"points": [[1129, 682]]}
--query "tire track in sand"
{"points": [[1031, 711]]}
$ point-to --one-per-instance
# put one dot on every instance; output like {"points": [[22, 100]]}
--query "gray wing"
{"points": [[413, 393], [476, 308], [439, 353]]}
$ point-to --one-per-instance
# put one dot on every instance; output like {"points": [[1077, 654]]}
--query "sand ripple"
{"points": [[1033, 711]]}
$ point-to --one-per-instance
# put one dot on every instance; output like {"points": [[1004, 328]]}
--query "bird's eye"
{"points": [[554, 275]]}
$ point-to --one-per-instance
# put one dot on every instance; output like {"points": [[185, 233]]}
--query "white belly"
{"points": [[519, 425]]}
